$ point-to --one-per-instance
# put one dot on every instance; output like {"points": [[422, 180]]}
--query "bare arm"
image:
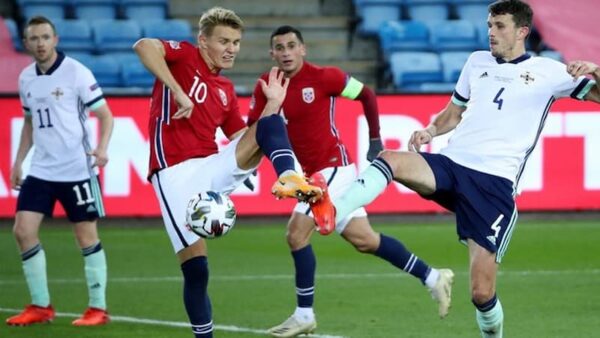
{"points": [[152, 54], [445, 121], [106, 126], [25, 144]]}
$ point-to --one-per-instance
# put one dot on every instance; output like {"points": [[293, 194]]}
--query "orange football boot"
{"points": [[323, 209], [32, 314], [92, 317], [294, 185]]}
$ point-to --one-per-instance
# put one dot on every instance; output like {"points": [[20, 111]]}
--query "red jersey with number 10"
{"points": [[309, 111], [215, 105]]}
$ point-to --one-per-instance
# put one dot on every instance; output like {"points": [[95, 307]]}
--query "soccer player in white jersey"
{"points": [[57, 93], [497, 112]]}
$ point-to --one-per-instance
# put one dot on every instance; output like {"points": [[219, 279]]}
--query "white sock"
{"points": [[432, 278], [304, 314]]}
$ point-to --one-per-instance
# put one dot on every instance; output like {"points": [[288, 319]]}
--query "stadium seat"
{"points": [[474, 12], [397, 36], [106, 70], [115, 35], [85, 58], [453, 36], [144, 9], [375, 12], [410, 69], [133, 72], [74, 35], [14, 34], [427, 10], [452, 64], [176, 29], [483, 40], [436, 87], [95, 9], [52, 10]]}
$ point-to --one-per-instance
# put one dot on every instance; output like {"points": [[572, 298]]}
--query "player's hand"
{"points": [[276, 89], [418, 138], [15, 177], [579, 68], [375, 147], [101, 158], [184, 105]]}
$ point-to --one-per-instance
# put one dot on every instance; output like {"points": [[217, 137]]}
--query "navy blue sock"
{"points": [[195, 296], [272, 138], [306, 265], [394, 252]]}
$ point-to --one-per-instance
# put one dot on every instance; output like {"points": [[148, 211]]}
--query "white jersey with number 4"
{"points": [[59, 102], [507, 104]]}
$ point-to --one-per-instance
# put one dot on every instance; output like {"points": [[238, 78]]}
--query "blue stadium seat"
{"points": [[483, 40], [178, 30], [133, 72], [115, 35], [474, 12], [96, 9], [427, 10], [397, 36], [74, 35], [452, 64], [144, 9], [453, 36], [15, 36], [52, 10], [84, 58], [436, 87], [410, 69], [106, 70], [375, 12]]}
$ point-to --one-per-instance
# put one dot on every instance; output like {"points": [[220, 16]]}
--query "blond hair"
{"points": [[218, 16]]}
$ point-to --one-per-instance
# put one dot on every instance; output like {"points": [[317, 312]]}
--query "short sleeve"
{"points": [[175, 50], [88, 89], [23, 99], [334, 80], [568, 87], [257, 104], [462, 90]]}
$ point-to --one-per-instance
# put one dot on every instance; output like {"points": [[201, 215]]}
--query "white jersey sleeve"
{"points": [[462, 90], [566, 86]]}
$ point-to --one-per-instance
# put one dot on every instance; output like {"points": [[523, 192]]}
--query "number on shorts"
{"points": [[88, 195]]}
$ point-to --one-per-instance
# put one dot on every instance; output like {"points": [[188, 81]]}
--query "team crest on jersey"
{"points": [[223, 96], [308, 94], [57, 93], [527, 77], [174, 44]]}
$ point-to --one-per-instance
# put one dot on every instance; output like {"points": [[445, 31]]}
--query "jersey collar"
{"points": [[59, 59], [514, 61]]}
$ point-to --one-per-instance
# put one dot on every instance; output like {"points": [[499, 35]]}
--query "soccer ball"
{"points": [[210, 214]]}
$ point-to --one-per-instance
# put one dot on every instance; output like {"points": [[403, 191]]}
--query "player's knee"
{"points": [[481, 294], [296, 238], [364, 242]]}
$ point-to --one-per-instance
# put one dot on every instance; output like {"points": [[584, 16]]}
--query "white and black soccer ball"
{"points": [[210, 214]]}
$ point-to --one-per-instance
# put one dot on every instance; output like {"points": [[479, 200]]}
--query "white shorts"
{"points": [[174, 186], [338, 180]]}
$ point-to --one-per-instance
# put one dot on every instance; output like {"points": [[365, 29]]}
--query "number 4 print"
{"points": [[498, 100]]}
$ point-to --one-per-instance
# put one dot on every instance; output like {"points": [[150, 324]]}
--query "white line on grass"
{"points": [[133, 320], [290, 277]]}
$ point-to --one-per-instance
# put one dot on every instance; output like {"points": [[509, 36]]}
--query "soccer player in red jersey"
{"points": [[309, 105], [190, 100]]}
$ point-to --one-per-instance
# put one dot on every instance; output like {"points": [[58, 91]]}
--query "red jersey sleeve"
{"points": [[257, 103], [335, 80], [175, 50]]}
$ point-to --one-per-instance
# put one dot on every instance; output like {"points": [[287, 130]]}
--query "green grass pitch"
{"points": [[549, 283]]}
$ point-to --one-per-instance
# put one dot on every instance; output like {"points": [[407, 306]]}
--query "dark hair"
{"points": [[284, 30], [39, 20], [521, 11]]}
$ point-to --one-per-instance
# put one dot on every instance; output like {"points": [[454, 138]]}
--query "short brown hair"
{"points": [[38, 20], [521, 11], [219, 16]]}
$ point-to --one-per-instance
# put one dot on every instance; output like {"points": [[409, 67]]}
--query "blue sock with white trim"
{"points": [[306, 265], [195, 296], [272, 138], [393, 251]]}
